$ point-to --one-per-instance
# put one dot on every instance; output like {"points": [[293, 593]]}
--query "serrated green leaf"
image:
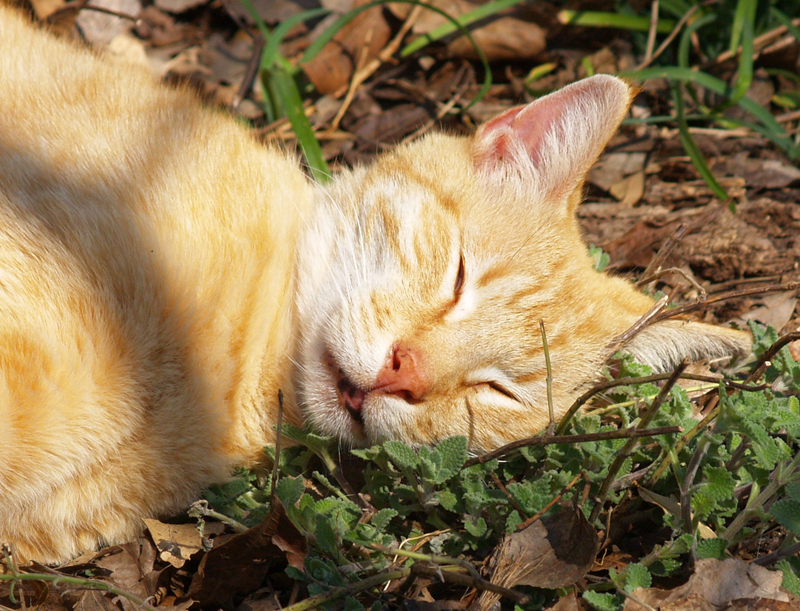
{"points": [[295, 433], [447, 500], [476, 528], [787, 513], [453, 452], [603, 601], [712, 548], [791, 581], [703, 504], [290, 489], [352, 604], [326, 537], [719, 483], [793, 491], [637, 576], [682, 544], [381, 519], [400, 454]]}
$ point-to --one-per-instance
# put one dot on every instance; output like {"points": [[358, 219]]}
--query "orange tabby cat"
{"points": [[162, 275]]}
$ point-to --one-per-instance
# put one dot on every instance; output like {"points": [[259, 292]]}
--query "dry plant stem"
{"points": [[759, 42], [91, 584], [555, 500], [354, 588], [450, 576], [625, 451], [680, 444], [200, 509], [778, 555], [548, 379], [475, 580], [651, 35], [363, 73], [788, 116], [764, 359], [688, 481], [70, 7], [774, 288], [250, 73], [664, 252], [278, 435], [545, 440], [598, 388], [674, 270], [511, 499], [678, 26], [648, 318]]}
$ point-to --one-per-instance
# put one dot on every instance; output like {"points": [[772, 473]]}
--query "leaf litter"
{"points": [[307, 541]]}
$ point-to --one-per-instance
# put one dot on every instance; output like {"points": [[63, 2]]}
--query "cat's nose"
{"points": [[404, 374]]}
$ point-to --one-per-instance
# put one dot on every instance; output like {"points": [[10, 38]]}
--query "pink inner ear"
{"points": [[530, 125], [537, 119], [527, 124]]}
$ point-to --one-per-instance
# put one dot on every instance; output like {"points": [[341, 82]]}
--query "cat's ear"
{"points": [[560, 134], [663, 345]]}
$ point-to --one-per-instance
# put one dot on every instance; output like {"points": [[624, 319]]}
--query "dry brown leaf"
{"points": [[569, 602], [553, 552], [355, 44], [614, 167], [176, 542], [714, 586], [238, 567], [776, 311], [501, 38]]}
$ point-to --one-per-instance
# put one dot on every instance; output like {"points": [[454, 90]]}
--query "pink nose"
{"points": [[404, 374]]}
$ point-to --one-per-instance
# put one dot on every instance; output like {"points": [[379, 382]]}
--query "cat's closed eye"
{"points": [[459, 286]]}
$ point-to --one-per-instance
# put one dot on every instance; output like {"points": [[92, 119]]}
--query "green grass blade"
{"points": [[744, 75], [767, 126], [282, 87], [271, 55], [481, 12], [599, 19], [690, 146], [785, 21]]}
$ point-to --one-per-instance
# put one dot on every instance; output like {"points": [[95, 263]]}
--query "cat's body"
{"points": [[162, 276]]}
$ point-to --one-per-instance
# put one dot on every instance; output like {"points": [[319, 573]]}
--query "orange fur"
{"points": [[162, 276]]}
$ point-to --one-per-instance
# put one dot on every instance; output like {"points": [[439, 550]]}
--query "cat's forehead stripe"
{"points": [[406, 173]]}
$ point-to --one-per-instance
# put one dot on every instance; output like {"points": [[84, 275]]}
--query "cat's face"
{"points": [[425, 278]]}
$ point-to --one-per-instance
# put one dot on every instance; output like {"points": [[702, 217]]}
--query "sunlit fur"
{"points": [[162, 276]]}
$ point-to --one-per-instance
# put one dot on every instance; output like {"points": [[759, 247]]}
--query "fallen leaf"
{"points": [[776, 311], [238, 567], [714, 586], [553, 552], [176, 542], [355, 44]]}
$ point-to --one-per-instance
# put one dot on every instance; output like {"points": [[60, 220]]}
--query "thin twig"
{"points": [[250, 73], [657, 377], [774, 288], [555, 500], [675, 270], [662, 47], [646, 320], [651, 35], [764, 360], [545, 440], [625, 451]]}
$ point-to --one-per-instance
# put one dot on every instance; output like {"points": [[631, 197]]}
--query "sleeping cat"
{"points": [[162, 276]]}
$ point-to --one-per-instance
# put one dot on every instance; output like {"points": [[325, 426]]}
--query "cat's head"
{"points": [[424, 277]]}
